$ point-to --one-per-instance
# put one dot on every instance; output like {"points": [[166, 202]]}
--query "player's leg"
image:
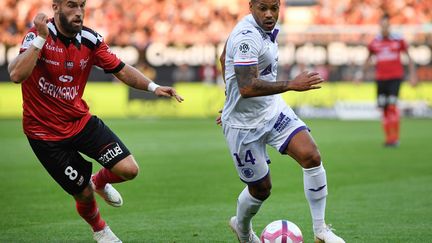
{"points": [[248, 204], [303, 149], [393, 112], [98, 142], [382, 102], [72, 172], [87, 208], [290, 135], [126, 169], [250, 159]]}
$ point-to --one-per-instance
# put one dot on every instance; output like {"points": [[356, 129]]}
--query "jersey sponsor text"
{"points": [[110, 153], [67, 93]]}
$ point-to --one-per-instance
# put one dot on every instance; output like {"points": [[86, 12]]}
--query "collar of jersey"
{"points": [[76, 41], [272, 34]]}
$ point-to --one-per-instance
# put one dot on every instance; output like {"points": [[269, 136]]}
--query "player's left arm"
{"points": [[222, 61], [412, 69], [134, 78]]}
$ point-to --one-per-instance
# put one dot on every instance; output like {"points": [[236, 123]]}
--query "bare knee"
{"points": [[310, 159], [261, 194], [127, 168], [130, 173], [261, 191]]}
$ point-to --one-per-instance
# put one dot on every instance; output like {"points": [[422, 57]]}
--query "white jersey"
{"points": [[249, 44]]}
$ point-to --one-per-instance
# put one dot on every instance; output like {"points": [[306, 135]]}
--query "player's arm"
{"points": [[365, 66], [251, 86], [222, 62], [412, 70], [22, 66], [134, 78]]}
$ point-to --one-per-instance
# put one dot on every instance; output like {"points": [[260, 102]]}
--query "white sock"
{"points": [[247, 207], [315, 187]]}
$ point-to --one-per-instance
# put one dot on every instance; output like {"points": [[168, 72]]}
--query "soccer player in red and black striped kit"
{"points": [[389, 73], [54, 63]]}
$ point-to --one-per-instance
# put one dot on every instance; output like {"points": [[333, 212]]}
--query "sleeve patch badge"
{"points": [[244, 47], [28, 40]]}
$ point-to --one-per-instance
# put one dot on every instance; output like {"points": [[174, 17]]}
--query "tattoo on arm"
{"points": [[245, 77], [251, 86]]}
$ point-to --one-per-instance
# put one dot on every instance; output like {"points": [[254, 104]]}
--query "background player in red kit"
{"points": [[389, 73], [54, 63]]}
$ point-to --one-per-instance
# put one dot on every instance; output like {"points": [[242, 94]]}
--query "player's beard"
{"points": [[67, 26]]}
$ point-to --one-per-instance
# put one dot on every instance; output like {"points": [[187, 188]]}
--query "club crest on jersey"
{"points": [[248, 172], [28, 40], [83, 63], [244, 47], [69, 64]]}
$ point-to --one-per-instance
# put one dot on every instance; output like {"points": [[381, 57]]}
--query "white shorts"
{"points": [[248, 146]]}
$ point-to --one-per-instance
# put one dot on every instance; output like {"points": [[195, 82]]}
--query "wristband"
{"points": [[152, 86], [39, 42]]}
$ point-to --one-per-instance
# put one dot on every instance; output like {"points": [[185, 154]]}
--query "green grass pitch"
{"points": [[187, 187]]}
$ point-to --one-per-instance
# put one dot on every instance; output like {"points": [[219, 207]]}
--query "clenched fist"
{"points": [[40, 22]]}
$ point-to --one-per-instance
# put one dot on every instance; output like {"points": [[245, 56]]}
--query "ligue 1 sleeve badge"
{"points": [[28, 40]]}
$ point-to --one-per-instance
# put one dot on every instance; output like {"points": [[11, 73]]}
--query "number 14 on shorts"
{"points": [[249, 158]]}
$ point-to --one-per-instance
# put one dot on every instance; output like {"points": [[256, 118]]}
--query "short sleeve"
{"points": [[106, 59], [370, 47], [403, 45], [28, 40], [246, 49]]}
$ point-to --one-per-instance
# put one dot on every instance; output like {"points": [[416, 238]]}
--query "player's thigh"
{"points": [[388, 91], [304, 150], [382, 93], [248, 152], [127, 168], [65, 165], [393, 90], [284, 128], [290, 135], [97, 141]]}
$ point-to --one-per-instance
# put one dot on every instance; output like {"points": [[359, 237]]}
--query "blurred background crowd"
{"points": [[360, 12], [135, 22], [138, 22], [185, 23]]}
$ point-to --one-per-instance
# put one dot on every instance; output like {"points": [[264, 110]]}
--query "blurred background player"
{"points": [[389, 73], [54, 63], [255, 115]]}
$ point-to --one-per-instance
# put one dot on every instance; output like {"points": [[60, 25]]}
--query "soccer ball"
{"points": [[281, 231]]}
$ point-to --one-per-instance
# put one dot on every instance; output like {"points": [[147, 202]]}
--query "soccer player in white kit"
{"points": [[255, 115]]}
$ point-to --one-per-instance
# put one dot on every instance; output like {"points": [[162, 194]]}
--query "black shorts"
{"points": [[388, 91], [63, 161]]}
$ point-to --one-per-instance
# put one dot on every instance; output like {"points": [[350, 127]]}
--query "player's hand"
{"points": [[306, 81], [40, 22], [168, 92], [219, 118]]}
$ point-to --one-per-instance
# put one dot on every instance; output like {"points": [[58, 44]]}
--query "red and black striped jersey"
{"points": [[53, 108], [388, 57]]}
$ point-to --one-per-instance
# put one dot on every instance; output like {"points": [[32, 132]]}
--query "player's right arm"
{"points": [[251, 86], [245, 50], [22, 66], [365, 67], [222, 62]]}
